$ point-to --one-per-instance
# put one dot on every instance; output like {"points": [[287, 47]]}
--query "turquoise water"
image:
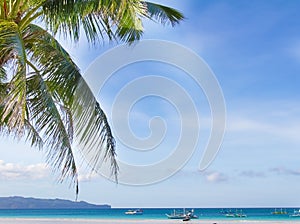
{"points": [[149, 213]]}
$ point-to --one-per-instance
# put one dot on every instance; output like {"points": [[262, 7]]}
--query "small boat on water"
{"points": [[240, 214], [296, 213], [229, 215], [134, 212], [237, 214], [280, 212], [182, 215]]}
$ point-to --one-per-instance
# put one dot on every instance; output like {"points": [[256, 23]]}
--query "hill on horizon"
{"points": [[18, 202]]}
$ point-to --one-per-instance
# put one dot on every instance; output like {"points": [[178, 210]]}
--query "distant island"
{"points": [[17, 202]]}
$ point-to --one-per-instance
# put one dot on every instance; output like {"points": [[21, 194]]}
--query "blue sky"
{"points": [[253, 48]]}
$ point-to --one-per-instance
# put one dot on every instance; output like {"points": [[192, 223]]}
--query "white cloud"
{"points": [[87, 177], [215, 177], [12, 171]]}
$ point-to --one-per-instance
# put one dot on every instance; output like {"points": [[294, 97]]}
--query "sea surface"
{"points": [[259, 214]]}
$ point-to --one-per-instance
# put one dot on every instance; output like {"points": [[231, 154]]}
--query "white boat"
{"points": [[182, 215], [296, 213], [134, 212]]}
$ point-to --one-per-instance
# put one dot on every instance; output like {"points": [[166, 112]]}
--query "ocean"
{"points": [[259, 214]]}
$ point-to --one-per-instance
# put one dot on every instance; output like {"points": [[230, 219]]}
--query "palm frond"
{"points": [[47, 119], [14, 110], [129, 24], [54, 63], [92, 130], [33, 136], [63, 17], [95, 28], [3, 75], [163, 14], [3, 86], [63, 81], [115, 19], [67, 116]]}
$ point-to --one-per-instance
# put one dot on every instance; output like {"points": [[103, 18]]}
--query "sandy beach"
{"points": [[144, 221]]}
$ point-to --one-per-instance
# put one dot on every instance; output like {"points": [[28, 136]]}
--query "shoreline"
{"points": [[142, 221]]}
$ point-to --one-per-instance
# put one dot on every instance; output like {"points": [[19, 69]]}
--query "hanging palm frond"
{"points": [[14, 102], [163, 14], [81, 111]]}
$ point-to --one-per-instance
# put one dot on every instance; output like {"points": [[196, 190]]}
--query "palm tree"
{"points": [[39, 80]]}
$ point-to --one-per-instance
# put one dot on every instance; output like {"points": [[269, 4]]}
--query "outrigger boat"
{"points": [[237, 214], [182, 215], [134, 212], [296, 213], [280, 212]]}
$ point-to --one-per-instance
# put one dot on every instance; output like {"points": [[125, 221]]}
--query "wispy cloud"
{"points": [[251, 174], [12, 171], [268, 119], [294, 49], [285, 171]]}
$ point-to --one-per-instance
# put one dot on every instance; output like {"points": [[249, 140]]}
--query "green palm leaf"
{"points": [[33, 136], [48, 120], [114, 19], [92, 129], [63, 80], [14, 109], [163, 14]]}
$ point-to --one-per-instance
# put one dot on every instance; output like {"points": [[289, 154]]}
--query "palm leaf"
{"points": [[163, 14], [3, 75], [129, 25], [115, 19], [47, 119], [92, 130], [14, 110], [33, 136], [63, 79], [3, 85]]}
